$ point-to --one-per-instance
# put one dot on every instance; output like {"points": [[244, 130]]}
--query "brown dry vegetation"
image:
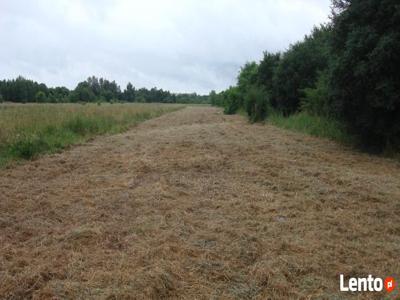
{"points": [[198, 205]]}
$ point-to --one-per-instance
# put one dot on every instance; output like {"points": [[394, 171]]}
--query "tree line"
{"points": [[347, 70], [91, 90]]}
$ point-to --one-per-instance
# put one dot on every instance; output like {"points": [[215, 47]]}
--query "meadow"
{"points": [[27, 130], [314, 125]]}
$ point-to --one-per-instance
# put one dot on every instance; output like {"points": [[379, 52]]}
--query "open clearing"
{"points": [[198, 205]]}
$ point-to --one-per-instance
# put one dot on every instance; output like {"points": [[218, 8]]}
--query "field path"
{"points": [[198, 205]]}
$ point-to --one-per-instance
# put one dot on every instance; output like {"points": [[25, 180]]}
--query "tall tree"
{"points": [[299, 68], [366, 77], [129, 93]]}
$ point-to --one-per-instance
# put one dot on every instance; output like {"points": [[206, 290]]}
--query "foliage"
{"points": [[316, 99], [256, 103], [254, 100], [21, 89], [279, 80], [58, 94], [346, 71], [266, 72], [82, 93], [91, 90], [248, 76], [231, 98], [366, 76], [129, 94], [298, 69], [40, 97]]}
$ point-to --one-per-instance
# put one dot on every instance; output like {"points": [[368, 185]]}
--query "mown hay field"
{"points": [[199, 205]]}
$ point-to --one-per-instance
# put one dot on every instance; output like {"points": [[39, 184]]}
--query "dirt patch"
{"points": [[196, 204]]}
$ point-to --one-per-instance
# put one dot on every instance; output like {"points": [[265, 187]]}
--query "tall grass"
{"points": [[31, 129], [314, 125]]}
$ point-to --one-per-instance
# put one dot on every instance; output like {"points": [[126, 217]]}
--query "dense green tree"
{"points": [[299, 68], [280, 80], [129, 93], [265, 78], [191, 98], [90, 90], [248, 77], [94, 84], [83, 93], [366, 76], [232, 99], [267, 69], [21, 89], [40, 97], [316, 99], [100, 90], [347, 70], [247, 81], [256, 103], [214, 98], [58, 94]]}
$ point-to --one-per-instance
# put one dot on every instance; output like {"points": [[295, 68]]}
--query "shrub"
{"points": [[256, 104], [232, 101], [28, 147], [316, 100], [40, 97]]}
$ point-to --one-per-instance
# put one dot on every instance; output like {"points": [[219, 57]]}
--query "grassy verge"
{"points": [[29, 130], [313, 125]]}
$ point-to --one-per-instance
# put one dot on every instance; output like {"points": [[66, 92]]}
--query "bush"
{"points": [[256, 104], [40, 97], [316, 100], [232, 101], [231, 107], [28, 147]]}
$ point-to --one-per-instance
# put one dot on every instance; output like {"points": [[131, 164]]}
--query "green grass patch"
{"points": [[29, 131], [313, 125]]}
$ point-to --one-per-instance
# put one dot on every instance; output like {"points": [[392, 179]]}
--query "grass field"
{"points": [[314, 125], [31, 129]]}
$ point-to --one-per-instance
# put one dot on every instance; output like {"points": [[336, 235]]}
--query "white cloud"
{"points": [[180, 45]]}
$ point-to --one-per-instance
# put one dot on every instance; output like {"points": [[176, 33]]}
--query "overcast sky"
{"points": [[180, 45]]}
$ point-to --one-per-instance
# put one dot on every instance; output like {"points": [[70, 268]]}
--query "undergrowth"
{"points": [[313, 125]]}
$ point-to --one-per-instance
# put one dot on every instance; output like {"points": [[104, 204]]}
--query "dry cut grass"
{"points": [[198, 205]]}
